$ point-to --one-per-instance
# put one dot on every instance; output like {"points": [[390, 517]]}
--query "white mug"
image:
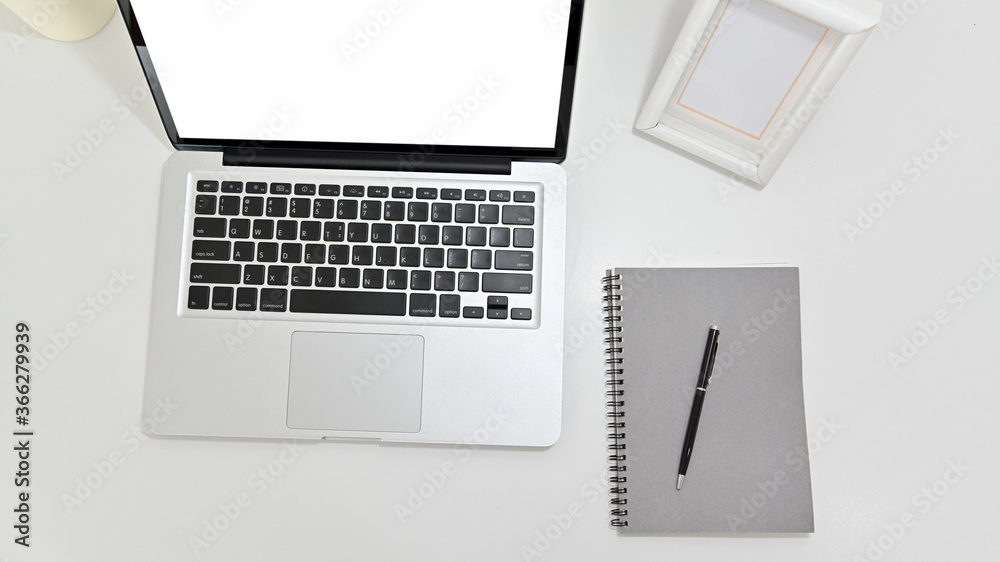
{"points": [[64, 20]]}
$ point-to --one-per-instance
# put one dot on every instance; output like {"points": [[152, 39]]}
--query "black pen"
{"points": [[704, 379]]}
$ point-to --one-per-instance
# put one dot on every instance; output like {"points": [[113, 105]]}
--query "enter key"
{"points": [[514, 260]]}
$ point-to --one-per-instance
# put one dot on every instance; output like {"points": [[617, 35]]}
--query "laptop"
{"points": [[361, 231]]}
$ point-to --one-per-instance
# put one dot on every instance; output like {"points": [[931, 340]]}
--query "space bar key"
{"points": [[348, 302]]}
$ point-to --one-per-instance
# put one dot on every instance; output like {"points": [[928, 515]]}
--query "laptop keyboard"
{"points": [[364, 250]]}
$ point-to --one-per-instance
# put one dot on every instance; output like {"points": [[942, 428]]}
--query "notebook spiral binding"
{"points": [[615, 395]]}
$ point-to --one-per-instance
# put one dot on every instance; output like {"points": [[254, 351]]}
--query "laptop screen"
{"points": [[395, 72]]}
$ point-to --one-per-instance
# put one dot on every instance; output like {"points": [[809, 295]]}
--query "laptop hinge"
{"points": [[417, 161]]}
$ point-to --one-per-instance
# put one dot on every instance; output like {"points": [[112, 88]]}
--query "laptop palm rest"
{"points": [[355, 382]]}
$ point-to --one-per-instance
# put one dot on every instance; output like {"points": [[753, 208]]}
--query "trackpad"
{"points": [[355, 382]]}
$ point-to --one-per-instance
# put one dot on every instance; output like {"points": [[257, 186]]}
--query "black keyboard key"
{"points": [[524, 238], [246, 299], [210, 250], [207, 186], [253, 206], [427, 193], [276, 207], [514, 260], [381, 233], [310, 230], [253, 275], [323, 209], [287, 230], [273, 300], [239, 228], [205, 227], [299, 208], [519, 214], [348, 302], [263, 229], [520, 314], [222, 273], [465, 213], [372, 279], [302, 276], [339, 254], [417, 211], [423, 305], [482, 259], [281, 189], [305, 189], [205, 204], [500, 237], [363, 255], [222, 298], [507, 282], [473, 312], [458, 258], [444, 281], [475, 195], [199, 297], [385, 256], [475, 236], [496, 313], [315, 253], [371, 210], [500, 195], [451, 194], [347, 209], [291, 253], [395, 279], [229, 205], [333, 232], [524, 196], [489, 214], [243, 251], [277, 275], [420, 280], [357, 232], [429, 234], [326, 276], [395, 210], [441, 212], [409, 257], [434, 257], [450, 306], [380, 191], [350, 277], [329, 190], [267, 252], [256, 187], [468, 281], [406, 234], [451, 235], [232, 187], [402, 193], [354, 191]]}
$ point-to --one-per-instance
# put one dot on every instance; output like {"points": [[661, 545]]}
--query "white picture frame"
{"points": [[745, 77]]}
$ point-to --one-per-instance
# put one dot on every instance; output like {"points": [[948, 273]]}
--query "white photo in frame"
{"points": [[745, 77]]}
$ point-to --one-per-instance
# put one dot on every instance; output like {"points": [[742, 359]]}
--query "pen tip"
{"points": [[714, 328], [680, 481]]}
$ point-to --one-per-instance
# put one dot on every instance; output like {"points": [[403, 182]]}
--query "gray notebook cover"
{"points": [[749, 471]]}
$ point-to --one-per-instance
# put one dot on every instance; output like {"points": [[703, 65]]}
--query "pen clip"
{"points": [[710, 368]]}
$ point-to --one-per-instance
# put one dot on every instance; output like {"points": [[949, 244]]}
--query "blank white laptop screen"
{"points": [[445, 72]]}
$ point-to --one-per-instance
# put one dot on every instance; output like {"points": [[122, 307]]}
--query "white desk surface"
{"points": [[885, 441]]}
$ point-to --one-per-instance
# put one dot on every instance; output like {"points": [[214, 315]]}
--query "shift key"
{"points": [[224, 273], [506, 283]]}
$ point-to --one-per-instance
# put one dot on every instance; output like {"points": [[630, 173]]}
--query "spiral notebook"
{"points": [[749, 471]]}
